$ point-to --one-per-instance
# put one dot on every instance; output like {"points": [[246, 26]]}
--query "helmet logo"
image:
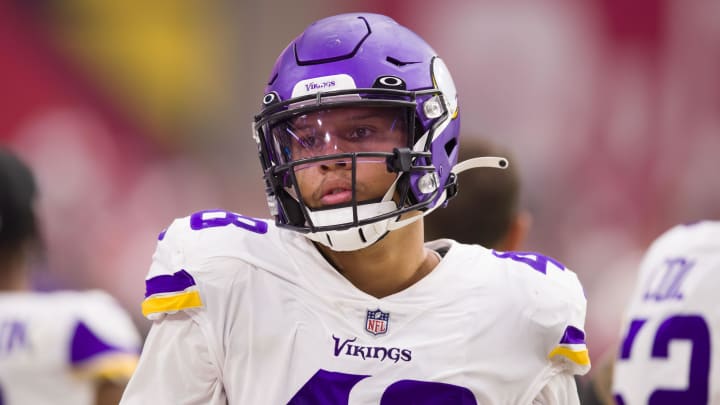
{"points": [[444, 82]]}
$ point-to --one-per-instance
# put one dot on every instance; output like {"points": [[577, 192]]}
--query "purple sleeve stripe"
{"points": [[177, 282], [573, 335], [86, 345]]}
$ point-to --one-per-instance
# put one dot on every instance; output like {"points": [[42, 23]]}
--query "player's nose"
{"points": [[337, 164]]}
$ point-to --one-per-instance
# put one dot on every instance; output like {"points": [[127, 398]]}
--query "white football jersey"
{"points": [[670, 348], [248, 313], [54, 345]]}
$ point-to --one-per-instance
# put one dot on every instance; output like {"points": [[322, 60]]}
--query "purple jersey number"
{"points": [[535, 260], [687, 327], [332, 388], [215, 218]]}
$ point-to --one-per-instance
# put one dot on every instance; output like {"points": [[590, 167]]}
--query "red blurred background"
{"points": [[133, 113]]}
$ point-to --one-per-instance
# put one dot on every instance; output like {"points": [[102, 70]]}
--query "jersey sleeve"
{"points": [[169, 287], [555, 306], [176, 367], [569, 352], [104, 342], [182, 353]]}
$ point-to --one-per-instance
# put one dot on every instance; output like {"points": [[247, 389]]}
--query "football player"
{"points": [[338, 300], [668, 351], [63, 347]]}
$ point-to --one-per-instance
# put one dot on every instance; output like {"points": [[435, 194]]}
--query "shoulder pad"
{"points": [[557, 304], [182, 248]]}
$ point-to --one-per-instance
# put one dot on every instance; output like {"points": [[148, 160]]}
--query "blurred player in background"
{"points": [[669, 352], [339, 300], [497, 220], [61, 347]]}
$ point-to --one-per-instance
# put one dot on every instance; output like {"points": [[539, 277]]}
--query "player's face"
{"points": [[341, 131]]}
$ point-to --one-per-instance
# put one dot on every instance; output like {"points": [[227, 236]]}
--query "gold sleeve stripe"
{"points": [[580, 357], [116, 367], [171, 303]]}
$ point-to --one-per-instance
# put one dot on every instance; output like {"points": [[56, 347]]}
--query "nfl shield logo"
{"points": [[376, 321]]}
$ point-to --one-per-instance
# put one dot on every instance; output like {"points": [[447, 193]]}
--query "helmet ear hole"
{"points": [[450, 146]]}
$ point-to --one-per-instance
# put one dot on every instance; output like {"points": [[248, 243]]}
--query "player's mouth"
{"points": [[334, 191], [337, 195]]}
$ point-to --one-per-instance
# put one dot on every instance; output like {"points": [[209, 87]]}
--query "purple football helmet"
{"points": [[367, 61]]}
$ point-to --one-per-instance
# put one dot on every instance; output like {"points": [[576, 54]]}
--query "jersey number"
{"points": [[692, 328], [327, 387], [214, 218], [535, 260]]}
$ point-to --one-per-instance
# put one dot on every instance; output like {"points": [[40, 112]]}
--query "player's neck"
{"points": [[389, 266]]}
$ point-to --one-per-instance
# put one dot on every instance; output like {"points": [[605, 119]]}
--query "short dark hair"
{"points": [[18, 190], [486, 202]]}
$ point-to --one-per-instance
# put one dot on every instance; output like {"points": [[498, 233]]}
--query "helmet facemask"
{"points": [[338, 171]]}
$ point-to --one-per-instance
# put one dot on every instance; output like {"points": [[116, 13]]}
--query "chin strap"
{"points": [[485, 161]]}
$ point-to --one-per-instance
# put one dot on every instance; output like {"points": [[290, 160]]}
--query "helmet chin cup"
{"points": [[354, 238]]}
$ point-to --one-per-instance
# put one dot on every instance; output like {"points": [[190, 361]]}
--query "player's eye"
{"points": [[360, 133]]}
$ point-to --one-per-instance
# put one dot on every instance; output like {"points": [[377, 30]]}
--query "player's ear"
{"points": [[517, 232]]}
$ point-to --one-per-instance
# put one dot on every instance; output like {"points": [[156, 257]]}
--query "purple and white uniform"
{"points": [[248, 313], [671, 334], [53, 346]]}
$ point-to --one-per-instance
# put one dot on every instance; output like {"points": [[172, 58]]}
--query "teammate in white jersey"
{"points": [[669, 349], [338, 300], [57, 348]]}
